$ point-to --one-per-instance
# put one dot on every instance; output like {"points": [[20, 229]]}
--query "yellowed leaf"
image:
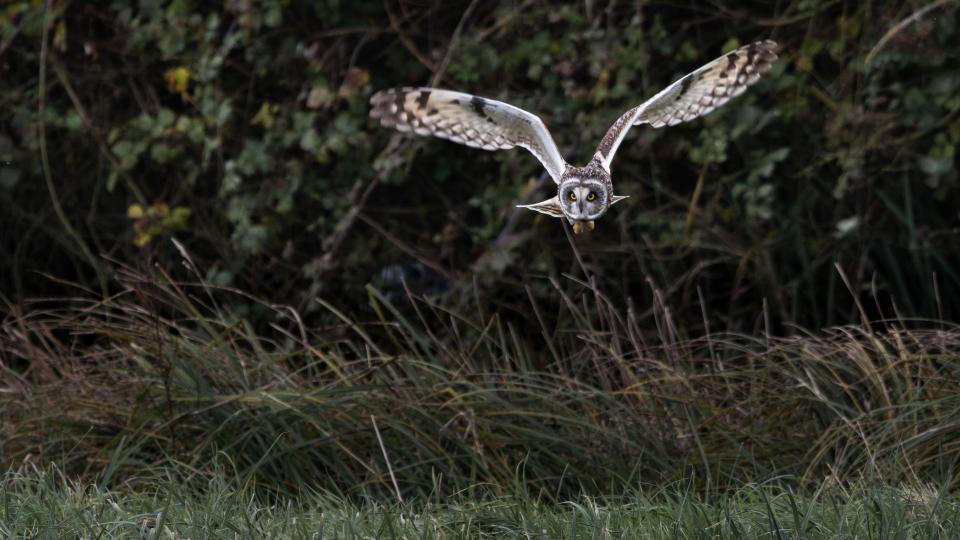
{"points": [[60, 36], [264, 116], [178, 80], [142, 239]]}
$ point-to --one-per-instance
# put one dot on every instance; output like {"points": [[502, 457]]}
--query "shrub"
{"points": [[242, 130]]}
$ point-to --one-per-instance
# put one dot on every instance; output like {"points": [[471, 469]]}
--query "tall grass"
{"points": [[422, 400]]}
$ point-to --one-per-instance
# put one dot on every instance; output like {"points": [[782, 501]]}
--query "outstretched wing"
{"points": [[466, 119], [696, 94]]}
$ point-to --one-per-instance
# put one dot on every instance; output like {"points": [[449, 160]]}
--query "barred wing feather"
{"points": [[696, 94], [467, 119]]}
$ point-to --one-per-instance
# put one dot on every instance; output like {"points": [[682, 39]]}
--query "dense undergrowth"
{"points": [[242, 129], [162, 375]]}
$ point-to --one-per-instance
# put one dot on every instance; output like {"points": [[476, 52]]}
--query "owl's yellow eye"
{"points": [[573, 196], [591, 196]]}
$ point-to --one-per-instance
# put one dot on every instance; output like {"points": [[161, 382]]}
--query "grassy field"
{"points": [[121, 409], [42, 503]]}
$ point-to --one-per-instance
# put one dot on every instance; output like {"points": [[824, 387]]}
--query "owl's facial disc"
{"points": [[583, 199]]}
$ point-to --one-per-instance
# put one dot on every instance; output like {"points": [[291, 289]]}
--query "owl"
{"points": [[584, 194]]}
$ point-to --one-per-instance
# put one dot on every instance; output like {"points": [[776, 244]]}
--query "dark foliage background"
{"points": [[826, 195], [240, 128]]}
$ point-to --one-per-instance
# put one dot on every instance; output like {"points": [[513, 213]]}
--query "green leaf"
{"points": [[936, 166], [9, 176]]}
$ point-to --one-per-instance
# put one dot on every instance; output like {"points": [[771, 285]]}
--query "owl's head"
{"points": [[583, 199], [584, 194]]}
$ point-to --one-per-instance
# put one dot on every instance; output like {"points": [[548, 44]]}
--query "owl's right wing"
{"points": [[467, 119], [696, 94]]}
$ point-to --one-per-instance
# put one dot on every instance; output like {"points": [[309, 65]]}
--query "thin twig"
{"points": [[442, 67], [45, 160], [856, 298], [895, 29], [404, 40], [544, 332], [337, 32], [332, 245], [386, 459], [6, 44], [403, 246], [64, 78], [692, 209], [482, 34]]}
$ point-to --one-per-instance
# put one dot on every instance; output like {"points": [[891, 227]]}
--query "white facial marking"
{"points": [[583, 198]]}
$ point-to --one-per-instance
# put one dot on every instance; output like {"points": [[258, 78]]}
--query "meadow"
{"points": [[233, 306]]}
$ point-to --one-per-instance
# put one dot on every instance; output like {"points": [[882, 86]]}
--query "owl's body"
{"points": [[583, 193]]}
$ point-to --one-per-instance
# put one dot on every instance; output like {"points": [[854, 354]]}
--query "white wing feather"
{"points": [[696, 94], [467, 119]]}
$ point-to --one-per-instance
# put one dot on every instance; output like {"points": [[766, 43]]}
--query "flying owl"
{"points": [[583, 193]]}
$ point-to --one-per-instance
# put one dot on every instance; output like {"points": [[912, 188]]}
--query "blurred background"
{"points": [[314, 246]]}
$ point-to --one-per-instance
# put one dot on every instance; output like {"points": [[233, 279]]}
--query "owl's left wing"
{"points": [[696, 94], [467, 119]]}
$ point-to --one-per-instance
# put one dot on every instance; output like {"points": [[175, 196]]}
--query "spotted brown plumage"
{"points": [[583, 193], [695, 94], [467, 119]]}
